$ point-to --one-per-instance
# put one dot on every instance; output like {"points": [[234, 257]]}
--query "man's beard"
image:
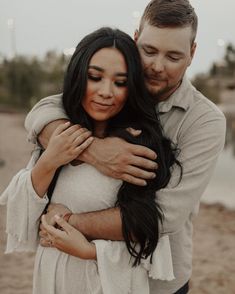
{"points": [[157, 94], [162, 93]]}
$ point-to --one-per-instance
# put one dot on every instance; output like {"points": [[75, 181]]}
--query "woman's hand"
{"points": [[66, 143], [69, 240], [52, 210]]}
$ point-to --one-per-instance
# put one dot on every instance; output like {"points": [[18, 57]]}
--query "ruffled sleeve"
{"points": [[161, 267], [24, 208], [119, 277]]}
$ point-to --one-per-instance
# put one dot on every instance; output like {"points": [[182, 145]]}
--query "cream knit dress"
{"points": [[81, 188]]}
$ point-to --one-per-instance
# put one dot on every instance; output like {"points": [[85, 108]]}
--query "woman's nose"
{"points": [[106, 89]]}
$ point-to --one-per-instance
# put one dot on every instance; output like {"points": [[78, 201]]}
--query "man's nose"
{"points": [[158, 64], [106, 89]]}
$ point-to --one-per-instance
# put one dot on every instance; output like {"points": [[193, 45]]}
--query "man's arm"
{"points": [[104, 224], [200, 147], [47, 110], [112, 156]]}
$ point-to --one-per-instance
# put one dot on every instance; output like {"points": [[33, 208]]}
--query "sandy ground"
{"points": [[214, 237]]}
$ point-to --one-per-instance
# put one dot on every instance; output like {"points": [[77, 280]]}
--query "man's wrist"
{"points": [[73, 220], [88, 155], [67, 216], [92, 253]]}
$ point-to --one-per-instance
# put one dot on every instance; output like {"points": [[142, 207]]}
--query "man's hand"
{"points": [[119, 159], [53, 209], [115, 157]]}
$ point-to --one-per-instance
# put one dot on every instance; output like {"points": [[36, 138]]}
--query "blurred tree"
{"points": [[204, 85], [230, 58], [23, 81]]}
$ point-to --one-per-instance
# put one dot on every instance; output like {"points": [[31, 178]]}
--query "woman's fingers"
{"points": [[69, 131], [50, 229], [77, 136], [45, 242], [61, 128], [79, 133], [43, 234], [80, 148], [63, 224], [82, 138]]}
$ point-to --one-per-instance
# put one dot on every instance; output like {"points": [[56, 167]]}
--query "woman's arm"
{"points": [[67, 143]]}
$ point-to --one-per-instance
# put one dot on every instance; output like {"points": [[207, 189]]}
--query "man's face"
{"points": [[166, 53]]}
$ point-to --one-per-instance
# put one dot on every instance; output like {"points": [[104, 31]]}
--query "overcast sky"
{"points": [[42, 25]]}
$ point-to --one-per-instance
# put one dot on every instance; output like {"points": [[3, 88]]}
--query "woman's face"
{"points": [[106, 91]]}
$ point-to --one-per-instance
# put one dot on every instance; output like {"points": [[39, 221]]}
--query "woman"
{"points": [[104, 92]]}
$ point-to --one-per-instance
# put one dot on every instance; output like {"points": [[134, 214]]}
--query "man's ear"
{"points": [[136, 35], [193, 49], [192, 52]]}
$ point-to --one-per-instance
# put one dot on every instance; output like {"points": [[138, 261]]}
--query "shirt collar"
{"points": [[180, 98]]}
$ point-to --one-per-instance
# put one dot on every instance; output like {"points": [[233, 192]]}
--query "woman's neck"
{"points": [[100, 128]]}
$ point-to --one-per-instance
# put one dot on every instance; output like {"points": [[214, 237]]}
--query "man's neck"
{"points": [[165, 96]]}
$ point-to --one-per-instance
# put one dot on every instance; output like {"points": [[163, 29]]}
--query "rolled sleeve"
{"points": [[45, 111]]}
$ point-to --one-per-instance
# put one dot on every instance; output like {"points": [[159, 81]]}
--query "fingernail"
{"points": [[57, 216], [153, 176]]}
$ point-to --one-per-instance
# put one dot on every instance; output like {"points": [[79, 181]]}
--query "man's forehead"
{"points": [[170, 38]]}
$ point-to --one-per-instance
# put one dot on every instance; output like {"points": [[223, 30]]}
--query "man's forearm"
{"points": [[104, 224]]}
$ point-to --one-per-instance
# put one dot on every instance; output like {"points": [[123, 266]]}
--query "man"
{"points": [[166, 41]]}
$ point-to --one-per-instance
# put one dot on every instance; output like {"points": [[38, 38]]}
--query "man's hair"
{"points": [[170, 13]]}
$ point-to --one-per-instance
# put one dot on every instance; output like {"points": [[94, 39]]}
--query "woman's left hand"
{"points": [[69, 239]]}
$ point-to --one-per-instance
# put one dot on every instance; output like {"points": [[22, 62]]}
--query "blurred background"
{"points": [[37, 39]]}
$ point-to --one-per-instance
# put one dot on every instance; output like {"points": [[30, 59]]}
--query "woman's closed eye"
{"points": [[94, 78], [121, 83], [118, 83]]}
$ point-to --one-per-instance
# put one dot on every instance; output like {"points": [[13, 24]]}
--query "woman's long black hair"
{"points": [[140, 212]]}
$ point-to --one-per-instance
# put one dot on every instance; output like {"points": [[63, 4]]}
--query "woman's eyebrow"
{"points": [[96, 68], [119, 74]]}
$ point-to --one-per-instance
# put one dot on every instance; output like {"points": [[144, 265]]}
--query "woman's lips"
{"points": [[102, 106]]}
